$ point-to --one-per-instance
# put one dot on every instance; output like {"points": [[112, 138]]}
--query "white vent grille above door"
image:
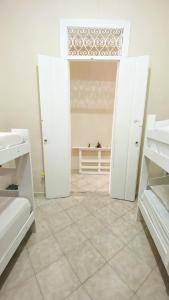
{"points": [[95, 41]]}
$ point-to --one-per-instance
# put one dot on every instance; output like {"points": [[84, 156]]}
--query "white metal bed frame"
{"points": [[23, 172], [156, 216]]}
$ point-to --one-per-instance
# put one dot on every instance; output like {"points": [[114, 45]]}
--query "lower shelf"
{"points": [[94, 172], [153, 213]]}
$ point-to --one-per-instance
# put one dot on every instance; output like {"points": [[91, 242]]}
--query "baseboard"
{"points": [[39, 194]]}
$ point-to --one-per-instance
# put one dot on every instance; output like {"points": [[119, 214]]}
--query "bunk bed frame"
{"points": [[151, 205], [23, 174]]}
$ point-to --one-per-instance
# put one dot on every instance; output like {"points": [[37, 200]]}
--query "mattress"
{"points": [[14, 212], [162, 192], [164, 128], [9, 139], [158, 215]]}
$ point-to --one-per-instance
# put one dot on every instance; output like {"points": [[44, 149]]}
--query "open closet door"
{"points": [[127, 126], [55, 115]]}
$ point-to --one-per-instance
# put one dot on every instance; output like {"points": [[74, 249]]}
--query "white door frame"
{"points": [[65, 23], [125, 29], [101, 59]]}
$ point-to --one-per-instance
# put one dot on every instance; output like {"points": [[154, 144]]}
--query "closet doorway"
{"points": [[92, 92], [130, 95]]}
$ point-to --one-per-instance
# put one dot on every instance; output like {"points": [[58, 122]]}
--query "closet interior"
{"points": [[92, 93]]}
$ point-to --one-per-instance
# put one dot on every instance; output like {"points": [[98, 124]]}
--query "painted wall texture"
{"points": [[29, 28]]}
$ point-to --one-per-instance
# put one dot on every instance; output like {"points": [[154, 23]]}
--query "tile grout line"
{"points": [[94, 272], [37, 280], [18, 284], [145, 279], [89, 240], [134, 291], [81, 286]]}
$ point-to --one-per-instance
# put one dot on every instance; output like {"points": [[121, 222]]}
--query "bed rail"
{"points": [[156, 147], [150, 206]]}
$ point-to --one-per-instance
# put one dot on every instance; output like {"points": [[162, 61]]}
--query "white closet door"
{"points": [[55, 115], [127, 126]]}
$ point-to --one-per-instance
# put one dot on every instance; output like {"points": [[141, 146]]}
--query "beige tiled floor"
{"points": [[90, 182], [87, 247]]}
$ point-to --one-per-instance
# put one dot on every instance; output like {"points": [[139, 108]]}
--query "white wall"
{"points": [[29, 28], [91, 128]]}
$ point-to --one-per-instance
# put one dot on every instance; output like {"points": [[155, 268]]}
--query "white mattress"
{"points": [[12, 217], [164, 128], [8, 139], [162, 192]]}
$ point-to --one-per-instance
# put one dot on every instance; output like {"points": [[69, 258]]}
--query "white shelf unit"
{"points": [[94, 160]]}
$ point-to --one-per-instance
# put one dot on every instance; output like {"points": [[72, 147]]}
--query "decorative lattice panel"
{"points": [[91, 41], [92, 95]]}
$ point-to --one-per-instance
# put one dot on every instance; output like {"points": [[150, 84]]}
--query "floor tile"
{"points": [[68, 202], [141, 246], [40, 201], [120, 207], [42, 232], [44, 201], [38, 214], [50, 209], [124, 230], [58, 281], [135, 297], [106, 215], [70, 238], [153, 288], [130, 268], [18, 270], [44, 253], [90, 226], [79, 197], [106, 285], [111, 257], [91, 183], [107, 243], [77, 212], [94, 203], [79, 294], [85, 260], [102, 199], [59, 221], [26, 291], [131, 216]]}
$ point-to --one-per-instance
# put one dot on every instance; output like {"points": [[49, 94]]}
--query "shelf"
{"points": [[94, 173], [7, 171], [95, 161], [90, 167], [9, 193], [92, 149], [99, 163], [156, 217], [104, 167], [89, 160]]}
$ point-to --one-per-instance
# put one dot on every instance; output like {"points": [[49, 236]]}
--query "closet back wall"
{"points": [[29, 28], [92, 89]]}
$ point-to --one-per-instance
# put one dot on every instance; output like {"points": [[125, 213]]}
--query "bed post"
{"points": [[144, 164], [24, 176]]}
